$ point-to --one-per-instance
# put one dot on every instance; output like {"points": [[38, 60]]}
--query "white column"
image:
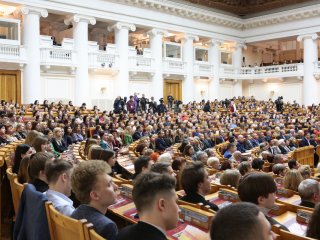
{"points": [[310, 58], [80, 35], [32, 85], [188, 57], [121, 32], [214, 59], [156, 36], [237, 63]]}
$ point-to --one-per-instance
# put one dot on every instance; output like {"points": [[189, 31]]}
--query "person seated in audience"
{"points": [[244, 167], [259, 188], [20, 131], [278, 158], [3, 136], [165, 158], [305, 171], [257, 164], [22, 151], [230, 178], [178, 164], [226, 165], [305, 140], [36, 170], [107, 141], [196, 184], [161, 167], [89, 143], [201, 156], [106, 155], [156, 201], [68, 134], [292, 179], [245, 221], [242, 144], [41, 144], [58, 174], [58, 143], [309, 191], [96, 191], [23, 174], [313, 230], [279, 169], [10, 133], [283, 146], [293, 164], [141, 165], [161, 144], [231, 148], [236, 156], [213, 162]]}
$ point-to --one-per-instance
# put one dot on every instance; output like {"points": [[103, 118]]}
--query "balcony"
{"points": [[202, 69], [275, 71], [177, 67], [12, 53], [53, 55], [141, 63], [108, 60]]}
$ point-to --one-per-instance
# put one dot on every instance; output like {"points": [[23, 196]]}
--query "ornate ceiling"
{"points": [[248, 7]]}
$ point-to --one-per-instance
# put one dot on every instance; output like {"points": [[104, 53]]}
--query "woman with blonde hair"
{"points": [[292, 179], [58, 143], [305, 171], [89, 143], [230, 178]]}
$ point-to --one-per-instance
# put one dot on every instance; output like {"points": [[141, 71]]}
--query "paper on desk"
{"points": [[298, 229], [193, 233]]}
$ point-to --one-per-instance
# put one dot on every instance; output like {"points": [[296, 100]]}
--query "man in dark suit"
{"points": [[309, 191], [161, 144], [138, 133], [306, 140], [156, 202], [195, 182]]}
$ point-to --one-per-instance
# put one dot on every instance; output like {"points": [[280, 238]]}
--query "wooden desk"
{"points": [[295, 199], [288, 219]]}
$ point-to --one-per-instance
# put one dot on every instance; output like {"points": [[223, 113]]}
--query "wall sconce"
{"points": [[103, 90], [202, 92], [271, 92]]}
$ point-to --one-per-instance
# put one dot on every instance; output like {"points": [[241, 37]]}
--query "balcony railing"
{"points": [[102, 59], [12, 53], [287, 70], [140, 63], [202, 69], [174, 67], [58, 56]]}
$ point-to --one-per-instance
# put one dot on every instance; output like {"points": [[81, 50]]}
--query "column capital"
{"points": [[25, 10], [214, 42], [122, 25], [79, 18], [312, 36], [157, 31], [187, 36], [240, 45]]}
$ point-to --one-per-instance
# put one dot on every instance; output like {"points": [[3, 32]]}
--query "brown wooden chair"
{"points": [[91, 234], [63, 227], [16, 189]]}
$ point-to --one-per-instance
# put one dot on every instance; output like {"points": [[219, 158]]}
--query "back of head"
{"points": [[308, 189], [313, 230], [160, 167], [257, 164], [305, 171], [140, 163], [278, 168], [255, 185], [89, 142], [94, 151], [242, 221], [55, 168], [165, 158], [38, 142], [244, 167], [37, 164], [31, 136], [149, 187], [191, 176], [84, 177], [292, 164], [292, 179], [230, 178], [21, 149]]}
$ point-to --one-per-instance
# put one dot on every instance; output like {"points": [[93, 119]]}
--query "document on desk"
{"points": [[193, 233]]}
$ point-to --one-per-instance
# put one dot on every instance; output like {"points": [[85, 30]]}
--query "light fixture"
{"points": [[6, 10]]}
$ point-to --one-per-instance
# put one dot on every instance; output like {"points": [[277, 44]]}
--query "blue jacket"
{"points": [[31, 222]]}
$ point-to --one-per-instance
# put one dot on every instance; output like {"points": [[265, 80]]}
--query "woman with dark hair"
{"points": [[22, 151], [313, 230], [68, 135], [257, 164]]}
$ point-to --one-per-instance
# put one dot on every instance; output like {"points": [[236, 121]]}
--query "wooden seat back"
{"points": [[63, 227], [16, 189]]}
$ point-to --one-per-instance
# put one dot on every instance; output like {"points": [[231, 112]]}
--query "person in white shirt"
{"points": [[58, 173]]}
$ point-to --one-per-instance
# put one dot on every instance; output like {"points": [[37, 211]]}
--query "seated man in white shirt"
{"points": [[58, 174]]}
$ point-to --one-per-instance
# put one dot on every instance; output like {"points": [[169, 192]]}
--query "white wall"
{"points": [[201, 86], [57, 87], [290, 89], [102, 90], [141, 85], [226, 90]]}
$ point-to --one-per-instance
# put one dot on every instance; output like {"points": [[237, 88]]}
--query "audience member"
{"points": [[309, 191]]}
